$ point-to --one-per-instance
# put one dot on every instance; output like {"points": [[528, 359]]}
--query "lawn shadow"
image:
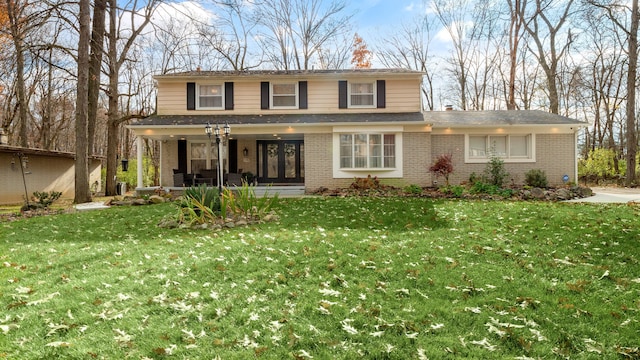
{"points": [[388, 213]]}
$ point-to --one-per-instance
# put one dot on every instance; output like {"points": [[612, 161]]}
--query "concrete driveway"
{"points": [[611, 195]]}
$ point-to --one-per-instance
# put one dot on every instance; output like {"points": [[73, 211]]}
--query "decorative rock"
{"points": [[241, 222], [563, 194], [230, 225], [139, 202], [155, 199], [537, 193]]}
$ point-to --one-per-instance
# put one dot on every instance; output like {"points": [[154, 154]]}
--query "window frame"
{"points": [[374, 94], [507, 157], [296, 94], [221, 96], [395, 171]]}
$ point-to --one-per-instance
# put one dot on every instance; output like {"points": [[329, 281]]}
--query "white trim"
{"points": [[222, 96], [482, 160], [296, 94], [375, 94]]}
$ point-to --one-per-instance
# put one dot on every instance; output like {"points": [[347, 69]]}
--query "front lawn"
{"points": [[334, 278]]}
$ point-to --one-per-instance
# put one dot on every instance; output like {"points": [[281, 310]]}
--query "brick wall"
{"points": [[555, 155], [319, 162]]}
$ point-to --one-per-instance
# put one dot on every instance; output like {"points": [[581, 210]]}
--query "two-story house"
{"points": [[323, 128]]}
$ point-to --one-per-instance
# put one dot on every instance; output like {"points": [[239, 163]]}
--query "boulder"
{"points": [[537, 193], [155, 199]]}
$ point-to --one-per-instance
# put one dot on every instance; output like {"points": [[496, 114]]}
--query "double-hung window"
{"points": [[210, 96], [284, 95], [367, 151], [509, 147], [362, 94]]}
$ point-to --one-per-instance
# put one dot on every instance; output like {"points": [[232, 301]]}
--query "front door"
{"points": [[280, 161]]}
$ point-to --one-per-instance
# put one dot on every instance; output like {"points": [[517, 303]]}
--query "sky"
{"points": [[373, 17]]}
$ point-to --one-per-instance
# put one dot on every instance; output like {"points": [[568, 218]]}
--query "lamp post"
{"points": [[216, 131]]}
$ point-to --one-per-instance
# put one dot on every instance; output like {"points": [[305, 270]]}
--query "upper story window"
{"points": [[362, 94], [513, 147], [367, 151], [210, 96], [284, 95]]}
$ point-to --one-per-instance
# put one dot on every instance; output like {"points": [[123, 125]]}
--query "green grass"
{"points": [[335, 278]]}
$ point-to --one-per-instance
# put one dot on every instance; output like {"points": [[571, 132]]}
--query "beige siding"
{"points": [[554, 155], [43, 173], [401, 96]]}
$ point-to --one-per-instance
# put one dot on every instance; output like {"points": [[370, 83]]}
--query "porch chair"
{"points": [[234, 179]]}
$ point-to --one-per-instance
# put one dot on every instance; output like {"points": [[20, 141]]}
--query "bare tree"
{"points": [[626, 18], [23, 18], [469, 24], [95, 67], [409, 48], [82, 190], [117, 54], [230, 35], [296, 30], [544, 23], [516, 22]]}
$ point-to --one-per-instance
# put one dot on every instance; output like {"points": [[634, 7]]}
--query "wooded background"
{"points": [[73, 73]]}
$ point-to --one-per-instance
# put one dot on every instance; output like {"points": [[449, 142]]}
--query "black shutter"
{"points": [[381, 92], [228, 96], [191, 96], [182, 156], [302, 95], [264, 95], [342, 94]]}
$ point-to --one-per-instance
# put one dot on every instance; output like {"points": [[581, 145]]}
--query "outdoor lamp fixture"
{"points": [[245, 152]]}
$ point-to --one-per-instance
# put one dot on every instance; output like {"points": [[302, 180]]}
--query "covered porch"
{"points": [[271, 158]]}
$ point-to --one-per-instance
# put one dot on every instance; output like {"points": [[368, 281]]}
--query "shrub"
{"points": [[199, 205], [443, 167], [495, 172], [536, 178], [45, 199], [368, 183], [481, 187], [244, 202], [600, 165], [413, 189], [455, 190]]}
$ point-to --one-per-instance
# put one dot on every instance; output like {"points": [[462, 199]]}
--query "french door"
{"points": [[280, 161]]}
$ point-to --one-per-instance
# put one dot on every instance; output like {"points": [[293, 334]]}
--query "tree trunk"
{"points": [[82, 190], [113, 136], [15, 18], [632, 142], [97, 41]]}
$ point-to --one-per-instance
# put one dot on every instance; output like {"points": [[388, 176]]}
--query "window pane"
{"points": [[284, 100], [210, 96], [210, 101], [346, 151], [284, 89], [477, 146], [498, 145], [360, 150], [210, 90], [362, 100], [519, 146], [362, 88], [389, 151], [375, 150]]}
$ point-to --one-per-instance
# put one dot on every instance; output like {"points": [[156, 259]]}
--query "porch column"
{"points": [[139, 146]]}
